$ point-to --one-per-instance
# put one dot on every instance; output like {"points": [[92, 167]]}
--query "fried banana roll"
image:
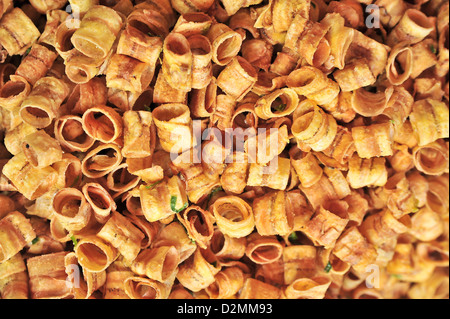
{"points": [[32, 182], [430, 120], [174, 234], [71, 135], [227, 248], [140, 46], [14, 281], [36, 63], [313, 84], [394, 74], [308, 288], [48, 276], [274, 174], [234, 177], [225, 42], [83, 283], [314, 128], [366, 172], [71, 209], [256, 289], [356, 74], [271, 214], [5, 5], [199, 224], [103, 123], [163, 200], [101, 160], [16, 232], [234, 217], [193, 23], [188, 6], [116, 276], [94, 254], [370, 104], [432, 159], [129, 74], [353, 248], [100, 200], [263, 249], [174, 127], [80, 7], [279, 103], [41, 106], [201, 61], [41, 150], [177, 62], [17, 32], [374, 140], [159, 263], [139, 135], [98, 30], [238, 78], [144, 288], [13, 92], [324, 228], [81, 69], [198, 271], [413, 27], [153, 17], [123, 235], [227, 283]]}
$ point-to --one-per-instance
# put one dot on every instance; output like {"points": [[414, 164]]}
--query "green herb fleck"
{"points": [[392, 121], [153, 185], [173, 203], [280, 108], [28, 51], [215, 191], [34, 241], [74, 240], [75, 182], [313, 5], [416, 206], [433, 49], [398, 276], [328, 267], [293, 238]]}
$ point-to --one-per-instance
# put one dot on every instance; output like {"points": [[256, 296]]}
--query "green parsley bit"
{"points": [[215, 190], [75, 182], [328, 267], [74, 240], [293, 238], [153, 185], [280, 108], [34, 241], [398, 276], [173, 203], [433, 49]]}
